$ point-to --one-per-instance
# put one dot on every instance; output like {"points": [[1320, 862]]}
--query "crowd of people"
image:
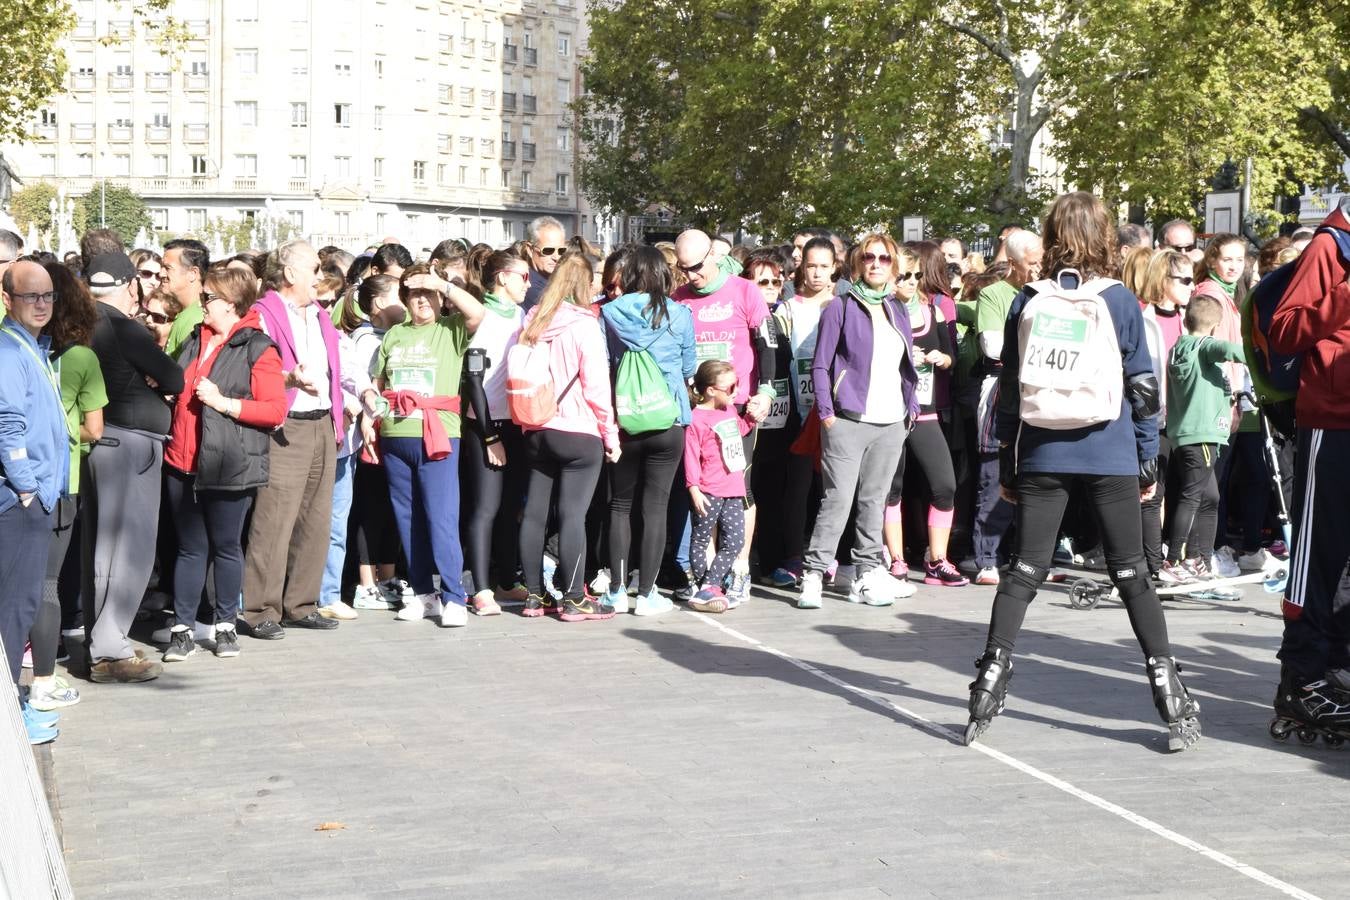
{"points": [[290, 439]]}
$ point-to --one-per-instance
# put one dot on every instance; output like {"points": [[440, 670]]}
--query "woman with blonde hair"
{"points": [[566, 451]]}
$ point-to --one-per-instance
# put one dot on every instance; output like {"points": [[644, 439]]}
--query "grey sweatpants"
{"points": [[859, 459], [121, 522]]}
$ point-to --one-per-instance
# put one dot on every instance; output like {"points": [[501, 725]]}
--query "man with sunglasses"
{"points": [[1178, 235], [548, 242], [731, 323], [34, 464], [183, 274], [121, 499]]}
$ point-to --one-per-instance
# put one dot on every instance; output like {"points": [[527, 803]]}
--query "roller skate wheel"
{"points": [[1307, 736], [973, 730], [1333, 740], [1279, 730], [1084, 594]]}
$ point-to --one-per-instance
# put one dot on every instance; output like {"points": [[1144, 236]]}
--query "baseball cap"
{"points": [[110, 270]]}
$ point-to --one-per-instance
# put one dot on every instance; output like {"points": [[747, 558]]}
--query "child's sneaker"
{"points": [[740, 585], [1173, 573], [709, 600], [787, 575], [941, 572], [899, 568]]}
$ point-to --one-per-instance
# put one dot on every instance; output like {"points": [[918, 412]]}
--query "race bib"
{"points": [[806, 387], [417, 379], [720, 350], [728, 433], [778, 409], [924, 389], [1056, 352]]}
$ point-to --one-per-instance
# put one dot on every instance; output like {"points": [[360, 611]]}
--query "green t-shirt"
{"points": [[991, 311], [1198, 408], [425, 359], [181, 329], [82, 391]]}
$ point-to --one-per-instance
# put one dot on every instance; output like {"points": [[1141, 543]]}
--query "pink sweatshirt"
{"points": [[712, 436], [578, 346]]}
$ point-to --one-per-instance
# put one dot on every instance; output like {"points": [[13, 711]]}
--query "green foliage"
{"points": [[31, 204], [118, 209], [31, 59]]}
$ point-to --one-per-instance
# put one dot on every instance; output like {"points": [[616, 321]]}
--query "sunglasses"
{"points": [[908, 276], [730, 389], [550, 251], [150, 276], [883, 258], [765, 282], [156, 318], [690, 270], [1184, 279], [1183, 248], [525, 275]]}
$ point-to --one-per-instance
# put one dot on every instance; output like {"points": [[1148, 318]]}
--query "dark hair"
{"points": [[933, 278], [392, 255], [447, 254], [1078, 234], [645, 272], [816, 243], [1269, 258], [372, 287], [965, 249], [614, 264], [96, 241], [193, 253], [359, 268], [815, 232], [235, 285], [73, 315]]}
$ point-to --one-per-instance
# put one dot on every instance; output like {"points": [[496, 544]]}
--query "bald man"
{"points": [[731, 323], [34, 463]]}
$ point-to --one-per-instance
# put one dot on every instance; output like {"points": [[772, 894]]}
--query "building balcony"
{"points": [[246, 183], [157, 133], [508, 149], [527, 152], [157, 81], [121, 133], [531, 56], [1314, 207], [298, 185], [194, 81], [84, 28], [199, 29], [419, 189], [45, 132], [510, 53], [487, 50], [196, 134], [119, 81], [466, 46], [531, 102], [81, 132], [82, 82], [509, 102]]}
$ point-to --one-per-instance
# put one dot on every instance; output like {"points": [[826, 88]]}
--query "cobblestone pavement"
{"points": [[766, 752]]}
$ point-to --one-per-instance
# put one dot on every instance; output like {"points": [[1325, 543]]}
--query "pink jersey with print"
{"points": [[714, 455], [724, 327]]}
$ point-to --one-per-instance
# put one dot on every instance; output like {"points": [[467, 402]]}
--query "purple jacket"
{"points": [[842, 369]]}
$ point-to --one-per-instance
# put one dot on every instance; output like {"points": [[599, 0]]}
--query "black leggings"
{"points": [[493, 497], [928, 445], [1042, 499], [649, 461], [1153, 508], [372, 517], [210, 526], [1192, 530], [569, 462]]}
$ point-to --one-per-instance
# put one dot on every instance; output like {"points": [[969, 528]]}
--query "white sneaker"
{"points": [[418, 607], [1224, 563], [618, 600], [338, 610], [370, 598], [812, 585], [876, 587], [987, 575], [50, 694], [1257, 561], [454, 615], [652, 605], [600, 583], [395, 590]]}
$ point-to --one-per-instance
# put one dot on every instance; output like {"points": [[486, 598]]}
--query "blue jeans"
{"points": [[330, 591], [425, 494]]}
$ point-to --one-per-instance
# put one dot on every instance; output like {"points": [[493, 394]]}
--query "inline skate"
{"points": [[989, 691], [1317, 709], [1179, 711]]}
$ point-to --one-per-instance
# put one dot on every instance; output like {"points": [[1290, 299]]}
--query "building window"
{"points": [[245, 10], [159, 164], [487, 147], [246, 164], [197, 64], [564, 91], [487, 99], [342, 115], [560, 183], [483, 177], [47, 117], [299, 166], [466, 145], [121, 164], [379, 67], [564, 44], [419, 171], [565, 140], [342, 63], [247, 112], [299, 115], [466, 96], [445, 93], [246, 61], [342, 222], [159, 218], [84, 164], [443, 143], [525, 181], [299, 62], [380, 220], [441, 170], [198, 164], [379, 167], [463, 175], [196, 219], [159, 115], [296, 218], [506, 178], [342, 166], [378, 116]]}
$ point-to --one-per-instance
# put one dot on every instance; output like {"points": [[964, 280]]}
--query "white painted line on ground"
{"points": [[942, 731]]}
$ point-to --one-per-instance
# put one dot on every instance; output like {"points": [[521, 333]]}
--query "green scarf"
{"points": [[501, 306], [726, 267], [872, 296], [1229, 288]]}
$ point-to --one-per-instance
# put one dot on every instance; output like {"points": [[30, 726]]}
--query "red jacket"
{"points": [[1314, 318], [267, 409]]}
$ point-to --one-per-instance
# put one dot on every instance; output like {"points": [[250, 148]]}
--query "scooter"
{"points": [[1085, 593]]}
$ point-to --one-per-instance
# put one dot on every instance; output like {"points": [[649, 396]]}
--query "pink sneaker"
{"points": [[899, 568], [941, 572]]}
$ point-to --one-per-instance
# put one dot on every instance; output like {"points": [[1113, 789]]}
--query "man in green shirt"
{"points": [[184, 273]]}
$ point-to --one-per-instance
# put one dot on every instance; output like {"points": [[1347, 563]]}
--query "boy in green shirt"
{"points": [[1199, 413]]}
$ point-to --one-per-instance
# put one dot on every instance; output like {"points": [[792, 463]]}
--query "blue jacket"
{"points": [[34, 440], [1110, 448], [627, 326], [842, 369]]}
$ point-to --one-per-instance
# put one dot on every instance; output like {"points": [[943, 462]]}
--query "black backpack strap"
{"points": [[558, 402]]}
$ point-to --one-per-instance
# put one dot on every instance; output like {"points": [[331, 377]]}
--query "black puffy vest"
{"points": [[231, 456]]}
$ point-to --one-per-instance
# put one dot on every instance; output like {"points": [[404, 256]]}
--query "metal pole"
{"points": [[103, 203]]}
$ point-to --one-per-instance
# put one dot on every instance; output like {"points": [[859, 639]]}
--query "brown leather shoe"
{"points": [[124, 671]]}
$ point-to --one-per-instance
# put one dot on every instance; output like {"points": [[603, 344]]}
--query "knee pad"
{"points": [[1023, 580], [1131, 578]]}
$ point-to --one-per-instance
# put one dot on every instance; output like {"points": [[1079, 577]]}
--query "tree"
{"points": [[109, 205], [32, 205], [31, 58]]}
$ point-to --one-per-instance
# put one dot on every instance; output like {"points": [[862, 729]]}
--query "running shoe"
{"points": [[1225, 563], [810, 597], [1257, 561], [337, 610], [652, 604], [454, 615], [536, 606], [485, 604], [395, 590], [987, 575], [517, 593], [874, 587], [181, 646], [710, 600], [787, 575], [600, 583], [899, 568], [227, 643], [50, 694], [371, 597], [1199, 569], [739, 591], [1173, 573], [618, 601], [584, 609], [941, 572]]}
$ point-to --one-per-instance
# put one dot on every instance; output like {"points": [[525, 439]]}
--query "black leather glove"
{"points": [[1148, 473], [1007, 466]]}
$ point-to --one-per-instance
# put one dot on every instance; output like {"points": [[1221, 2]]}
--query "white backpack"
{"points": [[1070, 370]]}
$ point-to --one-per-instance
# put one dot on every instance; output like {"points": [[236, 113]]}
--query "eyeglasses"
{"points": [[908, 276], [1184, 279], [883, 258], [1183, 248], [765, 282], [33, 298], [550, 251], [149, 276], [690, 270]]}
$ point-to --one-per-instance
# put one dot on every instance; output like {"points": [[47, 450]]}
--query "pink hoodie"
{"points": [[578, 345]]}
